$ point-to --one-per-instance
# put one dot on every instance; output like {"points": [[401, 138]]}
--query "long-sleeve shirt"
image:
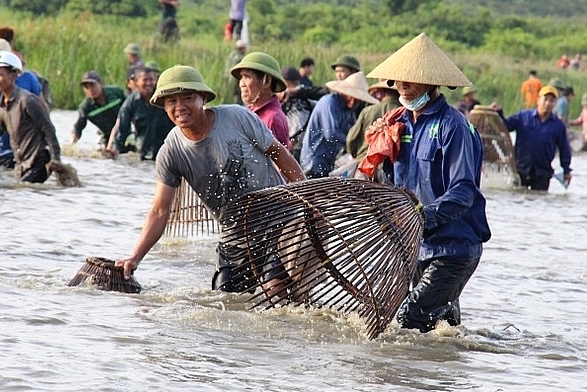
{"points": [[325, 135], [537, 142], [151, 124], [440, 161], [29, 127], [103, 116]]}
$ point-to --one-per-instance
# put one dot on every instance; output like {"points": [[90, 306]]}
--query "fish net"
{"points": [[188, 215], [103, 274], [348, 244], [499, 160]]}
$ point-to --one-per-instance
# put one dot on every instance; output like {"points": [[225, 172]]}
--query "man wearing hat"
{"points": [[259, 77], [539, 134], [561, 109], [468, 101], [32, 134], [439, 159], [100, 106], [330, 122], [132, 52], [297, 109], [344, 66], [222, 151], [151, 124], [356, 144]]}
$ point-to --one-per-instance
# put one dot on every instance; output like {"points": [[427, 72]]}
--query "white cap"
{"points": [[10, 60]]}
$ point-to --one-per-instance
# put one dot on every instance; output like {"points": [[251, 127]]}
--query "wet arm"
{"points": [[286, 163]]}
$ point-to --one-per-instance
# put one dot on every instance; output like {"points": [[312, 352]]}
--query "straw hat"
{"points": [[468, 90], [5, 45], [382, 84], [421, 61], [177, 79], [355, 86]]}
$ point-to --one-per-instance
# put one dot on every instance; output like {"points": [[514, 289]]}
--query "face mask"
{"points": [[417, 103]]}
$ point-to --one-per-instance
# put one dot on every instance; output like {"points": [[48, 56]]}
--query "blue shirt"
{"points": [[440, 161], [537, 141], [29, 81], [325, 136]]}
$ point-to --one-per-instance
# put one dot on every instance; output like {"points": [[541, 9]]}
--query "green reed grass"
{"points": [[62, 48]]}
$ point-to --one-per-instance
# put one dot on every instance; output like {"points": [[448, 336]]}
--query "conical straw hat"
{"points": [[355, 85], [421, 61]]}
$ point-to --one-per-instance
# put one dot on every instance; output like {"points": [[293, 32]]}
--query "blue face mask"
{"points": [[417, 103]]}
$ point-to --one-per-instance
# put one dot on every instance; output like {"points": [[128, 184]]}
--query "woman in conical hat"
{"points": [[439, 159]]}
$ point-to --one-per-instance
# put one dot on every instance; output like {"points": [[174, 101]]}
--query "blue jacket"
{"points": [[440, 161], [325, 135], [536, 143]]}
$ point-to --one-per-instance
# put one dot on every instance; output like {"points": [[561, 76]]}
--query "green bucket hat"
{"points": [[153, 65], [132, 48], [558, 83], [262, 62], [348, 61], [177, 79]]}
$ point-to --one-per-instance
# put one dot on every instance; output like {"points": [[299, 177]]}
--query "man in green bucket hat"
{"points": [[344, 66], [259, 77], [223, 152]]}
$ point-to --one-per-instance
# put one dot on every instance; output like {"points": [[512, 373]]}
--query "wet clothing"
{"points": [[272, 115], [440, 160], [151, 125], [561, 109], [325, 136], [297, 110], [103, 116], [6, 155], [230, 162], [536, 146], [31, 132]]}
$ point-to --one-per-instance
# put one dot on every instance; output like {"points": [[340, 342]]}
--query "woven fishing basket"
{"points": [[188, 215], [344, 243], [497, 145], [103, 274]]}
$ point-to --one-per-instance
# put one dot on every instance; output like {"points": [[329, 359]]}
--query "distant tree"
{"points": [[133, 8], [401, 6], [37, 7]]}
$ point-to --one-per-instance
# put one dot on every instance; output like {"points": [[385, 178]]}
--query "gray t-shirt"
{"points": [[225, 165]]}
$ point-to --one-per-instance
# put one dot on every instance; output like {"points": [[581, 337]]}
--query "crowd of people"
{"points": [[283, 127]]}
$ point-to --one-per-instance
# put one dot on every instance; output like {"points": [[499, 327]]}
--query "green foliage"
{"points": [[38, 7], [494, 51]]}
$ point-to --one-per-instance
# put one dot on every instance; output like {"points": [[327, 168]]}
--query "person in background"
{"points": [[577, 62], [223, 152], [133, 55], [32, 135], [153, 66], [539, 134], [168, 9], [439, 158], [563, 62], [234, 57], [356, 145], [100, 106], [530, 88], [306, 70], [329, 124], [259, 77], [151, 124], [468, 101], [344, 66], [297, 109], [582, 121], [561, 109], [236, 15]]}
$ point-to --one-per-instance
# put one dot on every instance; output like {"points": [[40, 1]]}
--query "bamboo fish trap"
{"points": [[103, 274], [499, 156], [188, 215], [344, 243]]}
